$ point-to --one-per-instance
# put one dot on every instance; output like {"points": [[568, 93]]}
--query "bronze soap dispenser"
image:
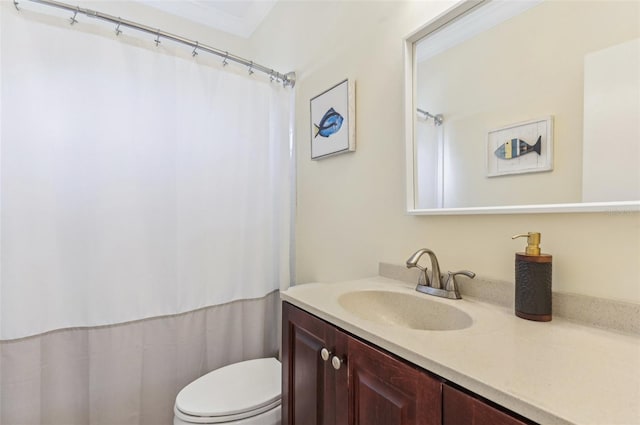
{"points": [[533, 281]]}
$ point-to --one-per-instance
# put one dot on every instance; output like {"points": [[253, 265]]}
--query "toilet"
{"points": [[245, 393]]}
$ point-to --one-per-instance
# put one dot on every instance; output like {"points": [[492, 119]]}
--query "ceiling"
{"points": [[237, 17]]}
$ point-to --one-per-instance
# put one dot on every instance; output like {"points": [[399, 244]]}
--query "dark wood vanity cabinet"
{"points": [[310, 391], [355, 383]]}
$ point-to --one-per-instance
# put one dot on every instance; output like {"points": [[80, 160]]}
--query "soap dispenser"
{"points": [[533, 281]]}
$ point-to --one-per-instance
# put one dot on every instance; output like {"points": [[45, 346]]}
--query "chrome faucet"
{"points": [[435, 285], [423, 279]]}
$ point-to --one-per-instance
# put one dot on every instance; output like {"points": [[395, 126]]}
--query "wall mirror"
{"points": [[528, 106]]}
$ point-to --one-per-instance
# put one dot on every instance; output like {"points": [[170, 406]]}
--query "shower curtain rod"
{"points": [[288, 79], [437, 119]]}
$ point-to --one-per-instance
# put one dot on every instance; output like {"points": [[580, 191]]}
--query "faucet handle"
{"points": [[452, 285], [467, 273]]}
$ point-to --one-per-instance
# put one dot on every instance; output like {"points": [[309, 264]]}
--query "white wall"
{"points": [[350, 209]]}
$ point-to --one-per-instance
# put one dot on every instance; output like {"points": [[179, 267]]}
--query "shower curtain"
{"points": [[144, 221]]}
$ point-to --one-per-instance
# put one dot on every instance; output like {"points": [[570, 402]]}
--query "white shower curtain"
{"points": [[134, 183]]}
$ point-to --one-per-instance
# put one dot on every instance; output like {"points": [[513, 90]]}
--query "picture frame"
{"points": [[333, 127], [525, 147]]}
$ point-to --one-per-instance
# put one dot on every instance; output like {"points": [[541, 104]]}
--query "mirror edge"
{"points": [[592, 207], [449, 15], [408, 123]]}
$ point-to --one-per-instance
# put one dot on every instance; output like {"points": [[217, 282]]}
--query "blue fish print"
{"points": [[516, 147], [329, 124]]}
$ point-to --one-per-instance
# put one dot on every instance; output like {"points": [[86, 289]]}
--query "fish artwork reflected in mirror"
{"points": [[517, 147], [330, 124]]}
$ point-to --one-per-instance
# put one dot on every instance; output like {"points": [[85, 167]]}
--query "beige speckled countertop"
{"points": [[556, 372]]}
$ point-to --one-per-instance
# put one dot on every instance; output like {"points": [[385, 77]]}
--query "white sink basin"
{"points": [[404, 310]]}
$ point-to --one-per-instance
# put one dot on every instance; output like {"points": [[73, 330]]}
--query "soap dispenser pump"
{"points": [[533, 281]]}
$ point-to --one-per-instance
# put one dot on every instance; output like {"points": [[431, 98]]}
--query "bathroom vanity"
{"points": [[347, 362], [359, 383]]}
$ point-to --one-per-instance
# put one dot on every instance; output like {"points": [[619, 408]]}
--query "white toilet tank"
{"points": [[245, 393]]}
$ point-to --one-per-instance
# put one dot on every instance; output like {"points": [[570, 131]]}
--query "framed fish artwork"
{"points": [[525, 147], [333, 127]]}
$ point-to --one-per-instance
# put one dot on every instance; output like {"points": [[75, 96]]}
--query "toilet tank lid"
{"points": [[233, 389]]}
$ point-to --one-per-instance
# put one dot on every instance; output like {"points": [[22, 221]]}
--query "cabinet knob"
{"points": [[325, 354], [336, 362]]}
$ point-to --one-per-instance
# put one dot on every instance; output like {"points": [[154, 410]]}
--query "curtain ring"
{"points": [[118, 30], [224, 61], [73, 18], [271, 77], [251, 68], [194, 53], [157, 40], [15, 4]]}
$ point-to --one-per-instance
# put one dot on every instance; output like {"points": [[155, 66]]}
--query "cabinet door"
{"points": [[386, 391], [308, 382], [461, 408]]}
